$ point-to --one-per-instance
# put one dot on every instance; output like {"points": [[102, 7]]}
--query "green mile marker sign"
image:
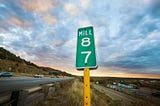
{"points": [[85, 56]]}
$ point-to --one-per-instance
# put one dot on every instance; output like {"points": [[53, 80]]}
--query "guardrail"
{"points": [[29, 96]]}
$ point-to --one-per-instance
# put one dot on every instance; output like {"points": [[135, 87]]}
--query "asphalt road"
{"points": [[10, 84], [115, 95]]}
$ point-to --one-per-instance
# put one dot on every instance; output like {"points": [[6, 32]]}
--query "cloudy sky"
{"points": [[127, 34]]}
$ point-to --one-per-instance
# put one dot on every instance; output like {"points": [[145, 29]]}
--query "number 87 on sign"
{"points": [[85, 56]]}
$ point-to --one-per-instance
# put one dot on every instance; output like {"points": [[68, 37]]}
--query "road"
{"points": [[9, 84], [115, 95]]}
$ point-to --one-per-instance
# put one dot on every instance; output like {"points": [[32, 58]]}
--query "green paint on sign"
{"points": [[85, 56]]}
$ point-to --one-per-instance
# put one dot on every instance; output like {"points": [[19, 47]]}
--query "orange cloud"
{"points": [[38, 6], [41, 7], [19, 22], [85, 4], [71, 9], [50, 19]]}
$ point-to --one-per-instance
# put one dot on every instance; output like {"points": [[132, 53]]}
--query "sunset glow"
{"points": [[127, 34]]}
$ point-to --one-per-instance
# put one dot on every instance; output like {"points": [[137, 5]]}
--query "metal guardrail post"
{"points": [[14, 98], [22, 97]]}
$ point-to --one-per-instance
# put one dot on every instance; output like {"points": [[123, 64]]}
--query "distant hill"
{"points": [[52, 71], [11, 62], [6, 55]]}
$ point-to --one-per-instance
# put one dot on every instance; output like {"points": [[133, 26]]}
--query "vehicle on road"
{"points": [[38, 75], [6, 74]]}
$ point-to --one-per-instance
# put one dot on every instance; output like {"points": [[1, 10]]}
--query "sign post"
{"points": [[87, 87], [86, 58]]}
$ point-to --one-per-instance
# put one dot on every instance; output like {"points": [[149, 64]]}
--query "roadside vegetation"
{"points": [[71, 94]]}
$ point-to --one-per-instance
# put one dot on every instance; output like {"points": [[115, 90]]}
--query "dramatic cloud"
{"points": [[85, 4], [49, 19], [37, 6], [71, 9], [127, 33], [19, 22]]}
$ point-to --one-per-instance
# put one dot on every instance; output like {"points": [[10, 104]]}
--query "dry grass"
{"points": [[71, 94]]}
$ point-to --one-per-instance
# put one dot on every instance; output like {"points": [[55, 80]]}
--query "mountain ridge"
{"points": [[12, 63]]}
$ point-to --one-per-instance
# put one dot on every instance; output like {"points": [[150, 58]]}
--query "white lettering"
{"points": [[88, 53], [85, 32], [90, 32], [80, 33], [85, 42]]}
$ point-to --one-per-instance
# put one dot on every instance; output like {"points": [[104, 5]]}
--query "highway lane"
{"points": [[10, 84]]}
